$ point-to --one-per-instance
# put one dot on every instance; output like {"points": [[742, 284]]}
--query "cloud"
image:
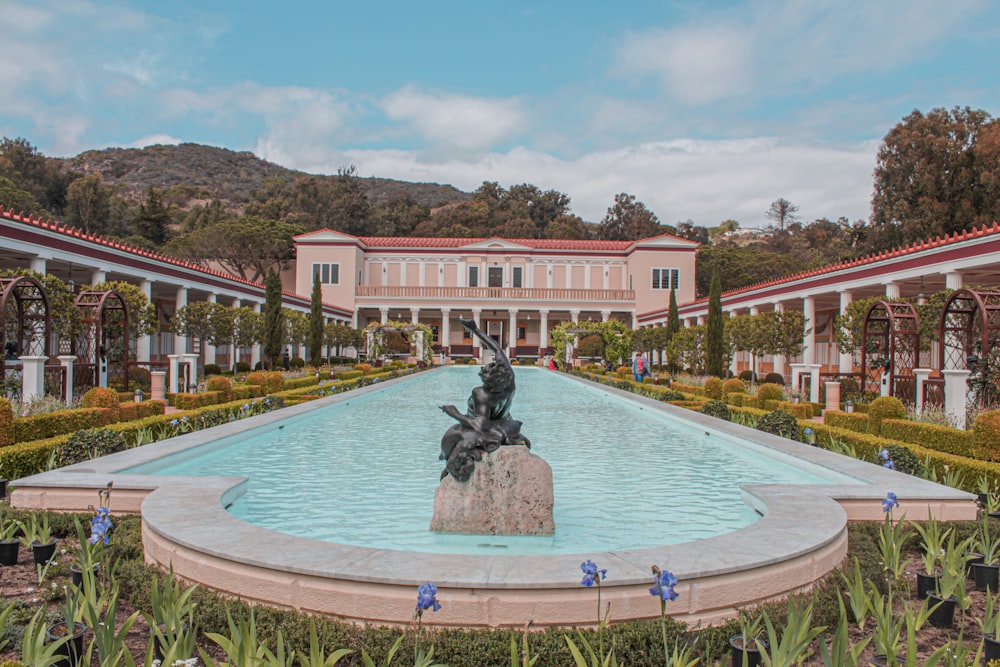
{"points": [[155, 140], [461, 120]]}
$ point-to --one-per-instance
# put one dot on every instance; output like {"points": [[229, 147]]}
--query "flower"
{"points": [[591, 573], [663, 585], [888, 462], [889, 502], [100, 526], [426, 598]]}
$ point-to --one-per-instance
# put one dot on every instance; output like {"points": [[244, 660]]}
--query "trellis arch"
{"points": [[970, 340], [104, 315], [891, 341], [420, 345], [27, 325]]}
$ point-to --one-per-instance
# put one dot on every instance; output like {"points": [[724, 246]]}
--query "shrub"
{"points": [[212, 369], [713, 388], [256, 378], [671, 395], [102, 397], [349, 375], [89, 444], [934, 436], [740, 400], [986, 435], [222, 385], [904, 460], [139, 378], [747, 376], [770, 391], [623, 372], [296, 363], [715, 408], [274, 381], [50, 424], [6, 423], [775, 378], [851, 422], [779, 423], [242, 367], [367, 368], [733, 386], [884, 407], [799, 410]]}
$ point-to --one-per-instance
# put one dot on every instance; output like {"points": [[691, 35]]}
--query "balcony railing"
{"points": [[496, 293]]}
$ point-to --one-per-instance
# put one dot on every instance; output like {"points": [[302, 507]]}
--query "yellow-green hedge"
{"points": [[51, 424], [986, 435], [688, 389], [850, 422], [6, 422], [798, 410], [931, 436]]}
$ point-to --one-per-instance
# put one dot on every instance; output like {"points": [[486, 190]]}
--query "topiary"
{"points": [[102, 397], [733, 386], [986, 435], [903, 460], [367, 368], [212, 369], [775, 378], [89, 444], [256, 378], [222, 385], [242, 367], [747, 376], [274, 382], [671, 395], [713, 388], [770, 391], [884, 407], [296, 362], [6, 422], [779, 423], [715, 408]]}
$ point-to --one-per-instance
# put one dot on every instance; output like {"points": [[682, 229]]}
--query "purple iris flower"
{"points": [[889, 502], [426, 598], [591, 573], [664, 586]]}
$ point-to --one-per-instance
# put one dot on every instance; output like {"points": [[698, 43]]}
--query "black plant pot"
{"points": [[986, 576], [926, 584], [76, 572], [991, 648], [970, 560], [8, 552], [3, 487], [43, 553], [942, 615], [71, 650], [160, 643], [751, 651]]}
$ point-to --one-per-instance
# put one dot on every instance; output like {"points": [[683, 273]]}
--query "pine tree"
{"points": [[715, 342], [153, 219], [274, 320], [316, 324]]}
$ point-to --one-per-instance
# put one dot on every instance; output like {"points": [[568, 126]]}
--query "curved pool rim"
{"points": [[801, 537]]}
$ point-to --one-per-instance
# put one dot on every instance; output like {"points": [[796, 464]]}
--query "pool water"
{"points": [[363, 471]]}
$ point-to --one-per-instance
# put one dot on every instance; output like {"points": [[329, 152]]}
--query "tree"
{"points": [[45, 179], [194, 320], [88, 204], [628, 220], [789, 328], [296, 326], [749, 333], [340, 336], [222, 327], [315, 342], [933, 178], [153, 219], [715, 342], [687, 348], [274, 322], [782, 212], [247, 247], [692, 232], [248, 327], [142, 317], [742, 266]]}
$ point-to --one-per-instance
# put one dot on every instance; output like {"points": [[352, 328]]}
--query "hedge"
{"points": [[689, 388], [798, 410], [941, 438], [51, 424], [850, 422]]}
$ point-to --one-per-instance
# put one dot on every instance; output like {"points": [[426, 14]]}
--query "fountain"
{"points": [[509, 492]]}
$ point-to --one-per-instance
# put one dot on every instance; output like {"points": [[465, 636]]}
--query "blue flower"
{"points": [[100, 526], [889, 464], [426, 598], [591, 573], [889, 502], [174, 422], [808, 431], [663, 586], [884, 454]]}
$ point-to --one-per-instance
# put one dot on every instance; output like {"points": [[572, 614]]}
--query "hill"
{"points": [[207, 172]]}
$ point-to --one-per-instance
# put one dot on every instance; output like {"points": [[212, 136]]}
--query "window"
{"points": [[473, 276], [495, 276], [521, 333], [516, 279], [329, 274], [664, 278]]}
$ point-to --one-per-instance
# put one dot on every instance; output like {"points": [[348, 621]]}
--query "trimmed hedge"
{"points": [[689, 389], [50, 424], [769, 391], [850, 422], [733, 386], [6, 422], [713, 388], [986, 435], [348, 375], [884, 407], [102, 397], [932, 436], [798, 410], [222, 385]]}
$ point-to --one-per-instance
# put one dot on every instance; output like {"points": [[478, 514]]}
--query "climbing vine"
{"points": [[617, 339], [375, 334]]}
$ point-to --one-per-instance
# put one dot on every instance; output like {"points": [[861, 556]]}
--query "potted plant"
{"points": [[745, 647], [172, 621], [950, 588], [70, 630], [986, 490], [85, 558], [100, 534], [38, 536], [933, 541], [987, 573], [9, 542], [990, 624]]}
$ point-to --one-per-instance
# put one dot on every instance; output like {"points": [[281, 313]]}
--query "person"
{"points": [[552, 364], [639, 368], [285, 361]]}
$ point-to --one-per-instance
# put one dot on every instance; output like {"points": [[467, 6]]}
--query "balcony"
{"points": [[481, 294]]}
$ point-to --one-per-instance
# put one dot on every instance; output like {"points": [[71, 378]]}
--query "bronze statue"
{"points": [[486, 425]]}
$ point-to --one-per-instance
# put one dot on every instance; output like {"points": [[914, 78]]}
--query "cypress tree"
{"points": [[673, 323], [316, 324], [715, 342], [274, 320]]}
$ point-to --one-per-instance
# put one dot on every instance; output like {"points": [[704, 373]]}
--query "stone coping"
{"points": [[800, 538]]}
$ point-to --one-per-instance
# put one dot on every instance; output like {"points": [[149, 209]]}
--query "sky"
{"points": [[704, 111]]}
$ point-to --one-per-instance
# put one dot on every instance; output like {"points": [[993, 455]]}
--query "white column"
{"points": [[508, 278], [635, 320], [586, 275], [441, 275], [415, 315], [39, 265], [402, 273], [956, 389], [255, 348], [809, 339], [476, 313], [575, 316], [191, 361], [701, 319], [892, 291], [423, 273], [175, 371], [797, 370], [814, 382], [384, 313], [385, 274], [512, 335], [67, 362], [953, 280], [143, 346], [846, 363], [463, 274], [543, 330], [32, 377], [444, 333], [180, 342], [607, 276], [98, 276], [209, 348], [921, 375]]}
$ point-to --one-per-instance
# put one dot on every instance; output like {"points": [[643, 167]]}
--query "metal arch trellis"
{"points": [[102, 348], [970, 340], [891, 344], [27, 325]]}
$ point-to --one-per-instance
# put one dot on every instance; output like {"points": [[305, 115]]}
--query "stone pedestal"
{"points": [[509, 493]]}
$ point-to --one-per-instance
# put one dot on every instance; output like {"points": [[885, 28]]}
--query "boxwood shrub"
{"points": [[884, 407], [89, 444], [933, 436], [715, 408], [49, 424], [779, 423]]}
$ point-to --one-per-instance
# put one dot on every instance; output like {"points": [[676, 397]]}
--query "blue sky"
{"points": [[702, 110]]}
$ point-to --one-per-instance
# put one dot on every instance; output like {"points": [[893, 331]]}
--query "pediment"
{"points": [[665, 241], [324, 236], [495, 243]]}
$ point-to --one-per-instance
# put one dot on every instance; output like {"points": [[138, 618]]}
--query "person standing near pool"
{"points": [[639, 367]]}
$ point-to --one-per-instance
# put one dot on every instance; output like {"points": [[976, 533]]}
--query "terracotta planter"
{"points": [[72, 650], [43, 553], [9, 551], [751, 651]]}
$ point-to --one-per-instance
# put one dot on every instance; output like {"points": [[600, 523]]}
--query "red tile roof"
{"points": [[539, 244]]}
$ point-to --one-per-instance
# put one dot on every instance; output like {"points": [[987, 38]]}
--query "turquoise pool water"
{"points": [[364, 471]]}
